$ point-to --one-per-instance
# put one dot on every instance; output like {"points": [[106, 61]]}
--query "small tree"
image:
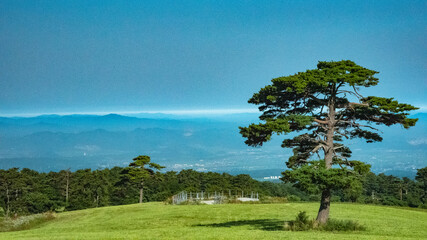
{"points": [[140, 170], [317, 104]]}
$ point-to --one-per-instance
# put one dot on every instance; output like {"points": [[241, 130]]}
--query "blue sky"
{"points": [[118, 56]]}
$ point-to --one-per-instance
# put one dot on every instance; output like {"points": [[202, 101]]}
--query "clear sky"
{"points": [[115, 56]]}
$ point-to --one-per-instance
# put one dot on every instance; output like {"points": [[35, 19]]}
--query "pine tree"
{"points": [[140, 170], [318, 105]]}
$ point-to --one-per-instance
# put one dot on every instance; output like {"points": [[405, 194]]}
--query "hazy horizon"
{"points": [[106, 56]]}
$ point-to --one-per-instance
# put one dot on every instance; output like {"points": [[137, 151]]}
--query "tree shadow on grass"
{"points": [[261, 224]]}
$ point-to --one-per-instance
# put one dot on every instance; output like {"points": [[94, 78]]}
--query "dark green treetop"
{"points": [[142, 169]]}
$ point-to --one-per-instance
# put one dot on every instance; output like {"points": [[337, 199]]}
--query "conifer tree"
{"points": [[324, 106], [140, 170]]}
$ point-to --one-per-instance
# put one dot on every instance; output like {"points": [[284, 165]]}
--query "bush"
{"points": [[293, 198], [168, 201], [335, 199], [392, 201], [192, 202], [362, 199], [341, 225], [25, 222], [314, 198], [413, 201], [370, 200], [274, 200], [302, 223], [234, 200]]}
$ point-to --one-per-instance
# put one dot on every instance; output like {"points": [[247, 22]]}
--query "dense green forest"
{"points": [[27, 191]]}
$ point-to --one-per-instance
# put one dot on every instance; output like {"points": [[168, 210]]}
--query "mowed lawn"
{"points": [[228, 221]]}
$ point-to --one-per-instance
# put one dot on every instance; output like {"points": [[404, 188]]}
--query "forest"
{"points": [[25, 191]]}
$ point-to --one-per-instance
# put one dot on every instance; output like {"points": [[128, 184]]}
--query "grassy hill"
{"points": [[232, 221]]}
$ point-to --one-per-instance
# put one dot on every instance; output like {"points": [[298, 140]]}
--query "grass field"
{"points": [[232, 221]]}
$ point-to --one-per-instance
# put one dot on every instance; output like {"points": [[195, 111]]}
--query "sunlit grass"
{"points": [[232, 221]]}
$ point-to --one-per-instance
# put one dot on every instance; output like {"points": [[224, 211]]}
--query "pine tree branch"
{"points": [[346, 91], [321, 121], [357, 93], [342, 134], [335, 148], [321, 145], [357, 125], [351, 104]]}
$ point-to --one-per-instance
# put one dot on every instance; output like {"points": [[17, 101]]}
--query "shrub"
{"points": [[335, 199], [362, 199], [25, 222], [413, 201], [293, 198], [192, 202], [392, 201], [314, 198], [341, 225], [274, 200], [302, 223], [168, 201], [235, 200]]}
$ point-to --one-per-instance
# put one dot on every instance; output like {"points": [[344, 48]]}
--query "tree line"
{"points": [[25, 191]]}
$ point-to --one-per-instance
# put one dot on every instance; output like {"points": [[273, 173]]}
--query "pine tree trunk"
{"points": [[141, 192], [67, 187], [7, 203], [325, 201]]}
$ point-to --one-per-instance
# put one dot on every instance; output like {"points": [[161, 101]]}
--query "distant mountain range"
{"points": [[52, 142]]}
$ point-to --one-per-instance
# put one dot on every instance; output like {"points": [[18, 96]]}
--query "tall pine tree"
{"points": [[140, 170], [324, 106]]}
